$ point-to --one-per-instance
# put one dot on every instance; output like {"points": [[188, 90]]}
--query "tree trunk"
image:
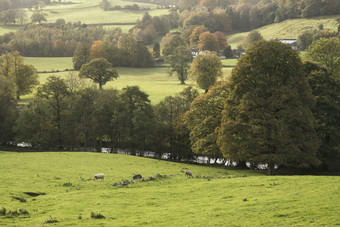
{"points": [[270, 168]]}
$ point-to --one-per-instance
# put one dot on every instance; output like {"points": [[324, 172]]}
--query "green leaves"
{"points": [[205, 69], [99, 70], [267, 116]]}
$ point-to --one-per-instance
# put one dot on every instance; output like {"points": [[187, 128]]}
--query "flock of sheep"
{"points": [[138, 176]]}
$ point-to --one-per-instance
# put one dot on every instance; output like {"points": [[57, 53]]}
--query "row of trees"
{"points": [[126, 52], [58, 40], [250, 14], [66, 114]]}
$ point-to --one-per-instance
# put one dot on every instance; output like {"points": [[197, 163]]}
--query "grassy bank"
{"points": [[69, 195]]}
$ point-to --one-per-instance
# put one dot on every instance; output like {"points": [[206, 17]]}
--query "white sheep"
{"points": [[99, 176], [188, 173]]}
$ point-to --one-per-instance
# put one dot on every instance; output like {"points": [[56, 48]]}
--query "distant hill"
{"points": [[288, 29]]}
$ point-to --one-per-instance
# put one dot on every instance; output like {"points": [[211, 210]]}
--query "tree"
{"points": [[24, 76], [178, 55], [179, 62], [156, 50], [326, 91], [169, 47], [205, 69], [55, 93], [26, 79], [326, 52], [196, 32], [267, 116], [203, 118], [38, 16], [221, 40], [96, 50], [8, 110], [142, 56], [8, 16], [81, 55], [172, 135], [128, 45], [138, 118], [251, 38], [228, 52], [207, 41], [305, 39], [99, 70]]}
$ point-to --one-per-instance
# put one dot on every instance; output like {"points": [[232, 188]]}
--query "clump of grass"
{"points": [[67, 184], [51, 220], [97, 215], [23, 212], [3, 211], [23, 200]]}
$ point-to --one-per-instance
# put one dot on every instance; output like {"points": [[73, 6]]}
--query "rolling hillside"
{"points": [[59, 186], [288, 29]]}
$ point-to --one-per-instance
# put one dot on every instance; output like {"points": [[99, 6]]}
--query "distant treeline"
{"points": [[58, 40], [250, 14]]}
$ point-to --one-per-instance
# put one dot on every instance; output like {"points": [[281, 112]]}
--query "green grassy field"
{"points": [[288, 29], [88, 12], [154, 81], [8, 28], [226, 199]]}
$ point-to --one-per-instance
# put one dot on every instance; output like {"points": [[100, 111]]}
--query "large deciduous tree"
{"points": [[203, 118], [26, 79], [326, 90], [8, 110], [24, 76], [55, 93], [326, 52], [251, 38], [38, 16], [207, 41], [99, 70], [178, 55], [205, 69], [267, 116]]}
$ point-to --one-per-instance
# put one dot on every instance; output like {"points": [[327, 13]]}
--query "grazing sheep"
{"points": [[99, 176], [137, 177], [188, 173]]}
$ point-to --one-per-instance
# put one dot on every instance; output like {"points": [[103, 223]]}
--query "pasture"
{"points": [[88, 12], [288, 29], [156, 82], [215, 196]]}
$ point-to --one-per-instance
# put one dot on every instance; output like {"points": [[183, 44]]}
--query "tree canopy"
{"points": [[99, 70], [205, 69], [267, 116], [327, 53]]}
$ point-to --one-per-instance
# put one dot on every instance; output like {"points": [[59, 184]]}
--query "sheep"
{"points": [[188, 173], [99, 176], [137, 177]]}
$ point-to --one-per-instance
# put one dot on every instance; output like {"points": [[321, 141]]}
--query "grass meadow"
{"points": [[288, 29], [216, 196], [87, 12]]}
